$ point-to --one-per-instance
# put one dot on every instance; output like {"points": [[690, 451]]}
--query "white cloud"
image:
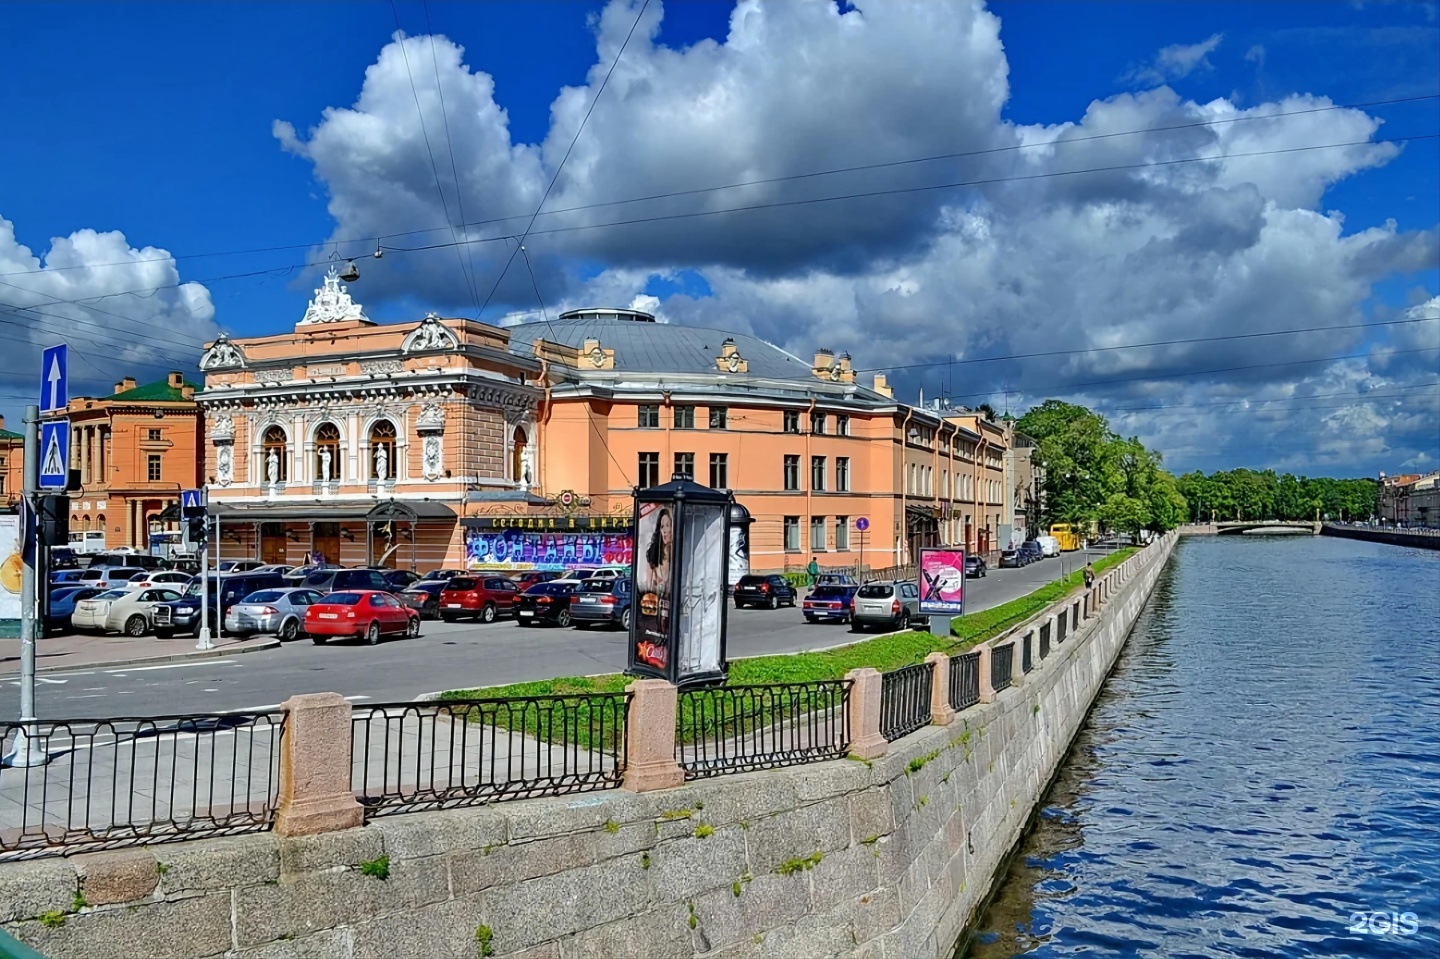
{"points": [[1178, 61], [65, 296], [1034, 260]]}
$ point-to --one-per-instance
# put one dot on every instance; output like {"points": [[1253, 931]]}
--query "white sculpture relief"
{"points": [[432, 417], [382, 464], [223, 428], [224, 465], [432, 456], [272, 468], [222, 355], [325, 457], [332, 303], [527, 467], [430, 335]]}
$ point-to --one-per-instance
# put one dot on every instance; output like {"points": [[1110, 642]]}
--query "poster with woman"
{"points": [[702, 590], [654, 542]]}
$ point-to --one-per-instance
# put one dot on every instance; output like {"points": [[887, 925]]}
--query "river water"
{"points": [[1260, 775]]}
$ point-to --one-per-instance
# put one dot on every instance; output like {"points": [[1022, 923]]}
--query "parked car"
{"points": [[131, 612], [300, 572], [442, 575], [480, 598], [399, 579], [530, 577], [240, 565], [347, 580], [608, 572], [1012, 559], [279, 569], [545, 603], [65, 577], [278, 611], [63, 557], [1049, 545], [770, 591], [423, 597], [223, 590], [62, 602], [975, 567], [364, 613], [835, 579], [889, 605], [128, 558], [830, 603], [108, 577], [171, 578], [1032, 551], [602, 601]]}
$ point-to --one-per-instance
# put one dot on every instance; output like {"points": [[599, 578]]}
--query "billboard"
{"points": [[12, 567], [654, 562], [519, 549], [942, 582]]}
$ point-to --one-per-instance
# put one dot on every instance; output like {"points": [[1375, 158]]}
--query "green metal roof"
{"points": [[158, 392], [11, 435]]}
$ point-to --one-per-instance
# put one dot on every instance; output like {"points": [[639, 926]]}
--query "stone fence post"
{"points": [[982, 668], [315, 790], [940, 712], [650, 737], [866, 741]]}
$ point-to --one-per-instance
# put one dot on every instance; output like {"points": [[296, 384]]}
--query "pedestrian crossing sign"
{"points": [[54, 454]]}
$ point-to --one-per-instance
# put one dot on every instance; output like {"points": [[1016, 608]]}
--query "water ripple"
{"points": [[1260, 774]]}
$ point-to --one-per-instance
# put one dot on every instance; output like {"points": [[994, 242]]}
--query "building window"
{"points": [[842, 425], [792, 421], [684, 417], [817, 473], [649, 470], [842, 533], [327, 453], [274, 466], [817, 422], [383, 465], [649, 416], [153, 435], [152, 467], [842, 474], [817, 533], [685, 463], [792, 472], [719, 417], [792, 534], [719, 471]]}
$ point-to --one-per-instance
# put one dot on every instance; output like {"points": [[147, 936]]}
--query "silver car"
{"points": [[888, 605], [278, 611]]}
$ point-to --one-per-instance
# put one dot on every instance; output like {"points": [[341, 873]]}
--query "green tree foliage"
{"points": [[1242, 494]]}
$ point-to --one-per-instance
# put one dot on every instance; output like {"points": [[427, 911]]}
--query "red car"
{"points": [[360, 612], [478, 597]]}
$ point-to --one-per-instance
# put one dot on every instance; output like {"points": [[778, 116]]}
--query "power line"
{"points": [[1396, 399], [378, 238], [1278, 399]]}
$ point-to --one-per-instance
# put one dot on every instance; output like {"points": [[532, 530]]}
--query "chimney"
{"points": [[882, 387], [187, 392], [177, 379], [823, 359], [128, 383], [2, 426]]}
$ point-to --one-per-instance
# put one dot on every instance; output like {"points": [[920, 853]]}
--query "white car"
{"points": [[159, 577], [131, 612], [1049, 545]]}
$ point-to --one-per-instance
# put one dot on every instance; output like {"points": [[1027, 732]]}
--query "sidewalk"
{"points": [[88, 652]]}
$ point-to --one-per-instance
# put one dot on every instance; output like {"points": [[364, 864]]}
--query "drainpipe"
{"points": [[904, 490], [981, 448], [807, 480]]}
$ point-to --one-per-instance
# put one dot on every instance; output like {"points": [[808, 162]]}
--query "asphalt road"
{"points": [[455, 656]]}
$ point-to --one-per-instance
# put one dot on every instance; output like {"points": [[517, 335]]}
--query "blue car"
{"points": [[829, 603], [65, 577], [62, 604]]}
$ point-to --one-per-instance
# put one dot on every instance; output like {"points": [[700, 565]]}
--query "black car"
{"points": [[424, 596], [768, 591], [975, 567], [335, 580], [1033, 552], [441, 575], [399, 578], [222, 591], [545, 603], [604, 601], [1012, 559]]}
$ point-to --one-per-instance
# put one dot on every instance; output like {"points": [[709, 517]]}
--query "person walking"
{"points": [[1089, 575], [813, 570]]}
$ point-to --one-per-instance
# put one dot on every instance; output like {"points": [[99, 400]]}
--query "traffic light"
{"points": [[199, 529], [54, 520]]}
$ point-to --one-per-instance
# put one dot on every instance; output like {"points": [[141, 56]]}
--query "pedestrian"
{"points": [[813, 570], [1089, 575]]}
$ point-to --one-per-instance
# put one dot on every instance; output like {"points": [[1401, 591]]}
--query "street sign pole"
{"points": [[28, 749], [194, 504]]}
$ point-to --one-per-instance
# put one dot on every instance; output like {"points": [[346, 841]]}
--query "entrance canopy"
{"points": [[403, 511]]}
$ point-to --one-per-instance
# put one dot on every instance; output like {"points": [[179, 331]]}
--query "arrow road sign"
{"points": [[54, 387], [192, 503], [54, 454]]}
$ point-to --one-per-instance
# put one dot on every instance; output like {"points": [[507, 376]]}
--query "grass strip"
{"points": [[883, 653]]}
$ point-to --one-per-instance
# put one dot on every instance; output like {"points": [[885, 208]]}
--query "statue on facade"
{"points": [[527, 467], [325, 457], [382, 464], [272, 468], [332, 303], [223, 464], [432, 456]]}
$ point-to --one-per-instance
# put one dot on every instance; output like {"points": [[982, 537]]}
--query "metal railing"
{"points": [[107, 783], [1044, 640], [1027, 660], [1002, 664], [964, 680], [731, 729], [905, 700], [1061, 622], [1075, 616], [463, 752]]}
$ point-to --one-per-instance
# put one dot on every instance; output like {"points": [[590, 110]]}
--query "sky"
{"points": [[1216, 223]]}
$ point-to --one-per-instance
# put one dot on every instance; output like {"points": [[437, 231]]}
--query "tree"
{"points": [[1124, 514]]}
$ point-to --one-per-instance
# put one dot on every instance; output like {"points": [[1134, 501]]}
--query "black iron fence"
{"points": [[104, 783], [1044, 640], [1027, 662], [1061, 622], [905, 700], [964, 680], [1002, 664], [463, 752], [732, 729], [1075, 616]]}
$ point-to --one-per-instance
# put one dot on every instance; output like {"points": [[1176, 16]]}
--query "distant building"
{"points": [[12, 473], [1412, 499]]}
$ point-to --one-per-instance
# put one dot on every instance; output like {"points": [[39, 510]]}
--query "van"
{"points": [[1049, 545]]}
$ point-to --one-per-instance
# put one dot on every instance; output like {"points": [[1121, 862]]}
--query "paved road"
{"points": [[457, 656]]}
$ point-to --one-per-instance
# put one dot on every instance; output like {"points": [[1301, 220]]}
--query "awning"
{"points": [[405, 511], [551, 524], [170, 514], [922, 512]]}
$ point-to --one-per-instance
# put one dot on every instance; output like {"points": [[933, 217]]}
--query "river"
{"points": [[1260, 776]]}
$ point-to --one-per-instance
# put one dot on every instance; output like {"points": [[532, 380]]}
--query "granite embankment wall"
{"points": [[886, 858], [1419, 539]]}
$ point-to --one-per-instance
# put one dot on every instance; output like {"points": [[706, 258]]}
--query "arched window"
{"points": [[274, 466], [100, 522], [517, 455], [87, 523], [327, 453], [382, 451]]}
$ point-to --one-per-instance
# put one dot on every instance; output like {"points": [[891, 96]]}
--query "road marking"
{"points": [[53, 682], [273, 706], [146, 669]]}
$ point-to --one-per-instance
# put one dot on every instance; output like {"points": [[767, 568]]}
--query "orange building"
{"points": [[136, 450], [12, 458]]}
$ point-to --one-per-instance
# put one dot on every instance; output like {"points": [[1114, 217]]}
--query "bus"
{"points": [[1067, 535], [88, 541]]}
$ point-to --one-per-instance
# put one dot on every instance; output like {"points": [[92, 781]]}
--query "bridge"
{"points": [[1236, 527]]}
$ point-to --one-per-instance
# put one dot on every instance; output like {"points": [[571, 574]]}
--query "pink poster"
{"points": [[942, 581]]}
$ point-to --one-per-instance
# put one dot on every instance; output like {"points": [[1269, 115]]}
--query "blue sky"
{"points": [[156, 120]]}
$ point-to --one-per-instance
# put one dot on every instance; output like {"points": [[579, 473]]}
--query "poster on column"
{"points": [[12, 567], [942, 582], [702, 590], [654, 564]]}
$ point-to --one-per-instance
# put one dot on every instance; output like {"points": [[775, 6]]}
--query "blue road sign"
{"points": [[192, 503], [862, 524], [54, 454], [54, 385]]}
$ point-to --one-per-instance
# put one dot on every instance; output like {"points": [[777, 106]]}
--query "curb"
{"points": [[270, 643]]}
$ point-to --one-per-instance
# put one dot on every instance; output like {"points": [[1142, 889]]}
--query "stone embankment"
{"points": [[884, 856], [1417, 538]]}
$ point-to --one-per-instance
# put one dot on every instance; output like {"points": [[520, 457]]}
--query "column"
{"points": [[650, 737], [866, 741], [940, 712], [987, 687], [315, 791]]}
